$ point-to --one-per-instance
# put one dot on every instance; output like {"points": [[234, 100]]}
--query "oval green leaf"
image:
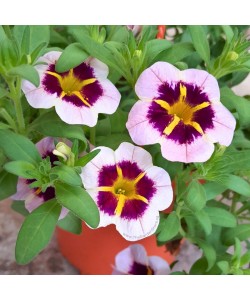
{"points": [[19, 168], [8, 184], [196, 196], [37, 231], [27, 72], [79, 202], [221, 217], [169, 228], [71, 223], [18, 147], [72, 56]]}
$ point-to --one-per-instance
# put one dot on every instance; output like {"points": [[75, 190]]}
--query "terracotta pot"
{"points": [[93, 252]]}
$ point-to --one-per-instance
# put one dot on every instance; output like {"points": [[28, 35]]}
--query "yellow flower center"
{"points": [[182, 111], [72, 85], [124, 190]]}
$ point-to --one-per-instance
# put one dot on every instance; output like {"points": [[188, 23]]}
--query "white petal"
{"points": [[139, 128], [224, 125], [90, 172], [139, 254], [133, 230], [150, 79], [100, 69], [198, 151], [72, 114], [127, 151], [110, 100], [158, 265], [204, 80], [164, 193], [124, 261]]}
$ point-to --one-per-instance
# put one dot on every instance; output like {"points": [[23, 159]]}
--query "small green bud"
{"points": [[232, 55], [65, 152]]}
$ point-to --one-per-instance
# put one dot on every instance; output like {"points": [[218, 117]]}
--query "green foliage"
{"points": [[82, 161], [78, 201], [27, 72], [168, 228], [9, 182], [200, 42], [36, 231], [196, 196], [71, 223], [17, 147]]}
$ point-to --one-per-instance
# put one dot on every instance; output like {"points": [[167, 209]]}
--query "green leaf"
{"points": [[19, 206], [71, 223], [176, 53], [37, 34], [27, 72], [18, 147], [242, 232], [196, 196], [237, 252], [72, 56], [209, 253], [36, 231], [67, 175], [3, 92], [200, 41], [155, 47], [8, 183], [49, 124], [240, 104], [228, 32], [237, 184], [204, 221], [113, 141], [19, 168], [245, 259], [221, 217], [169, 227], [77, 200], [213, 189], [224, 266], [87, 158]]}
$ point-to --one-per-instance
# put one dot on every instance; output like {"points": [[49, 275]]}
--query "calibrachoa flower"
{"points": [[134, 261], [181, 110], [78, 95], [136, 29], [34, 197], [128, 190]]}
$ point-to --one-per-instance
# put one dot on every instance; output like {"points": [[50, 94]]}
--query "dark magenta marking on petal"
{"points": [[139, 269], [183, 134], [169, 93], [158, 117], [107, 175], [92, 92], [133, 209], [107, 202]]}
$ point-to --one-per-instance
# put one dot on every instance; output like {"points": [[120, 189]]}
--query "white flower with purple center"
{"points": [[134, 261], [34, 197], [128, 190], [78, 95], [180, 110]]}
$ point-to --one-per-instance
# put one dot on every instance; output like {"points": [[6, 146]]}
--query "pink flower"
{"points": [[78, 95], [34, 197], [180, 110], [128, 190], [134, 261], [136, 29]]}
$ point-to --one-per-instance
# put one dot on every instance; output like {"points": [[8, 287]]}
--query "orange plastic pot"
{"points": [[93, 252]]}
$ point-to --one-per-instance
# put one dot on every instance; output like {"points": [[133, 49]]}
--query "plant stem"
{"points": [[8, 118], [92, 133], [15, 94]]}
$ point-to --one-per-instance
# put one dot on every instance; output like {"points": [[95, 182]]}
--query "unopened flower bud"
{"points": [[232, 55], [64, 151]]}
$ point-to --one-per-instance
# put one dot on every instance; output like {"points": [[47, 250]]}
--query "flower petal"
{"points": [[90, 172], [100, 69], [45, 145], [163, 197], [150, 79], [110, 100], [50, 57], [204, 80], [158, 265], [224, 125], [140, 130], [198, 151], [124, 261], [139, 254], [72, 114], [127, 151], [133, 230]]}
